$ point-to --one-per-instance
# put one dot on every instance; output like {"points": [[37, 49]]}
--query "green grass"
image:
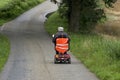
{"points": [[4, 50], [101, 55]]}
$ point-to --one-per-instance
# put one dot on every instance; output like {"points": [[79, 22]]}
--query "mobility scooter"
{"points": [[62, 46]]}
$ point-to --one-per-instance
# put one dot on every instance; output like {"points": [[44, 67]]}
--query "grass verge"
{"points": [[4, 50], [101, 55]]}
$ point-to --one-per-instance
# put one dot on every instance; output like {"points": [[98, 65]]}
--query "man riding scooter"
{"points": [[61, 41]]}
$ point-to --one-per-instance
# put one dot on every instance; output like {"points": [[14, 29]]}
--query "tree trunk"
{"points": [[74, 22]]}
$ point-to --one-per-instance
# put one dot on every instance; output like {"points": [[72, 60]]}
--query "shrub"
{"points": [[16, 7]]}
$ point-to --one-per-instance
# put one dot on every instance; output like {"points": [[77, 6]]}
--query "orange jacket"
{"points": [[62, 45]]}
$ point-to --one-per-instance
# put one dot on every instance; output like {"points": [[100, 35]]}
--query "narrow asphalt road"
{"points": [[32, 51]]}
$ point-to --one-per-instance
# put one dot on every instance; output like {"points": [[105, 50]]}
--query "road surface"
{"points": [[32, 51]]}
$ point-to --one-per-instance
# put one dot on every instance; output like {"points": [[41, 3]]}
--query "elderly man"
{"points": [[60, 34]]}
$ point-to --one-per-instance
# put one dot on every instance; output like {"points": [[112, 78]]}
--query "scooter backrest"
{"points": [[62, 45]]}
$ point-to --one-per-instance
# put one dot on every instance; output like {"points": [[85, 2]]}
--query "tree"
{"points": [[82, 15], [74, 17]]}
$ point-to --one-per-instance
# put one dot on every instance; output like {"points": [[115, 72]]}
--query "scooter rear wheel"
{"points": [[55, 61], [69, 61]]}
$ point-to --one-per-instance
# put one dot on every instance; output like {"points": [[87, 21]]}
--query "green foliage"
{"points": [[15, 7], [91, 12], [24, 5], [4, 50], [113, 49], [54, 22], [100, 55], [108, 3], [4, 2], [64, 9]]}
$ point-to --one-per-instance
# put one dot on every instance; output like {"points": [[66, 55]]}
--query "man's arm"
{"points": [[54, 38]]}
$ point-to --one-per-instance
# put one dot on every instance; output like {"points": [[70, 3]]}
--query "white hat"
{"points": [[60, 29]]}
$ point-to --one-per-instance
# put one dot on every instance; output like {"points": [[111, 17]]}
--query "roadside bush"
{"points": [[24, 5], [16, 7]]}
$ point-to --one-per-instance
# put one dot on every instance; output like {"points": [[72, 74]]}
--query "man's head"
{"points": [[60, 29]]}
